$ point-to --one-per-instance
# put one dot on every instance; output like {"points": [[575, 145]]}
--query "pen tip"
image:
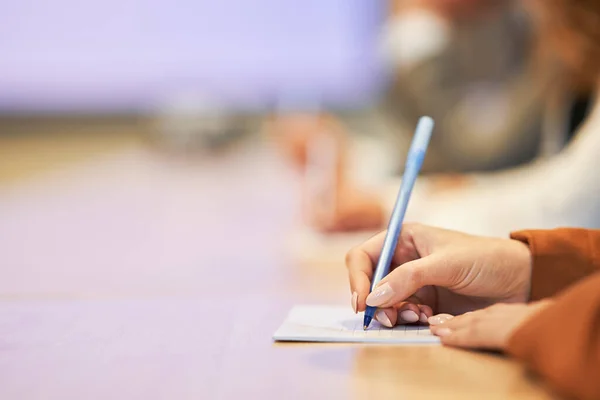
{"points": [[367, 322]]}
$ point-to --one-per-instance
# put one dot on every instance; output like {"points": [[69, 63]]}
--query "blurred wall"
{"points": [[136, 55]]}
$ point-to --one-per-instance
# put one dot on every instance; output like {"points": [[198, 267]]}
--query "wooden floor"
{"points": [[129, 274]]}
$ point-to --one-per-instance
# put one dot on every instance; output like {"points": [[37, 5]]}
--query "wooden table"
{"points": [[136, 275]]}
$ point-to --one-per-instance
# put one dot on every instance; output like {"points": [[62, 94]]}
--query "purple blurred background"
{"points": [[134, 55]]}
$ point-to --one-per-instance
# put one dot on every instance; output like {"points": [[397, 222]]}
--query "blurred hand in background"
{"points": [[344, 206]]}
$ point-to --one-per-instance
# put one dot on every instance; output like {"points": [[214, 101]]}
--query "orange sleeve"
{"points": [[561, 257], [562, 342]]}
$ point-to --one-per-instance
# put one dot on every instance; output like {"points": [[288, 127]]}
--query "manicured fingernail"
{"points": [[383, 319], [409, 316], [355, 302], [380, 295], [443, 332], [423, 318], [439, 319]]}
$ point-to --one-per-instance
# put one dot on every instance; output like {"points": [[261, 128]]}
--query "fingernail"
{"points": [[443, 332], [355, 302], [439, 319], [383, 319], [423, 318], [409, 316], [380, 295]]}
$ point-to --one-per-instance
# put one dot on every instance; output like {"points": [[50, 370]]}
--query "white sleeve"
{"points": [[563, 190]]}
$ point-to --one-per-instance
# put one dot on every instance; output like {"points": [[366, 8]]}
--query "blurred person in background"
{"points": [[557, 190], [469, 65], [499, 127]]}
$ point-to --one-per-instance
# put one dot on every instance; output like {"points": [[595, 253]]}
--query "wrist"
{"points": [[523, 262]]}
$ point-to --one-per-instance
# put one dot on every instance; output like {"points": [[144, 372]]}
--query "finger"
{"points": [[472, 336], [405, 249], [408, 313], [371, 248], [407, 279], [362, 260], [360, 270], [460, 321], [403, 313], [387, 317], [354, 302], [425, 313], [439, 319]]}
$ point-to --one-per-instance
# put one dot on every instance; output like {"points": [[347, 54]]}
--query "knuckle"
{"points": [[351, 256], [466, 317], [410, 226], [415, 274]]}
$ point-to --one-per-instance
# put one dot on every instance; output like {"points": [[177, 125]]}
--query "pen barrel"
{"points": [[395, 225], [414, 161]]}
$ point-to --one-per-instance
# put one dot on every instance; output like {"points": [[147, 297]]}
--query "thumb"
{"points": [[407, 279]]}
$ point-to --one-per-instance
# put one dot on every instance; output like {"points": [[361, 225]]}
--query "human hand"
{"points": [[438, 271], [489, 328], [317, 146], [293, 134], [353, 210], [330, 202]]}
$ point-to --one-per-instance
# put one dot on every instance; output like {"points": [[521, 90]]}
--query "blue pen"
{"points": [[414, 161]]}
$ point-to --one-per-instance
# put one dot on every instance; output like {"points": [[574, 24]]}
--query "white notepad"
{"points": [[340, 324]]}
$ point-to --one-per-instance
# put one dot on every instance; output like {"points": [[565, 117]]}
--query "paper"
{"points": [[340, 324]]}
